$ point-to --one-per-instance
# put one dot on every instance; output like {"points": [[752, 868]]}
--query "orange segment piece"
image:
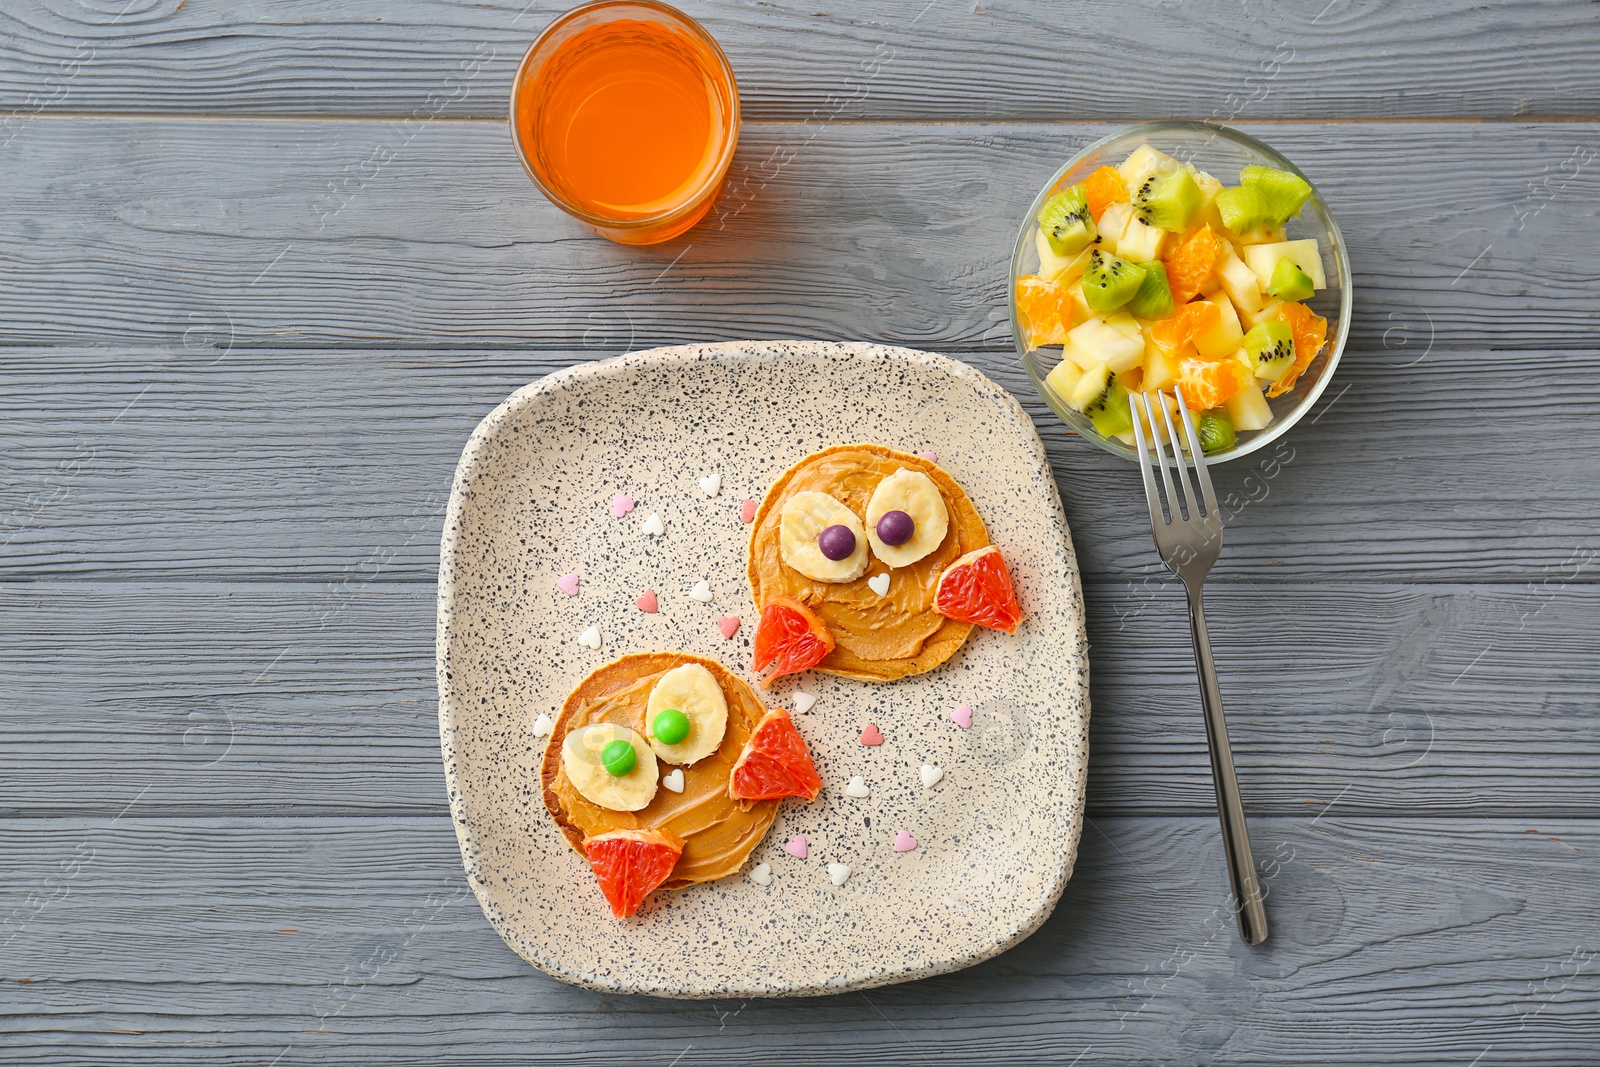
{"points": [[1046, 310], [1310, 330], [790, 638], [1193, 264], [1182, 328], [977, 588], [775, 763], [1205, 383], [1104, 188], [628, 864]]}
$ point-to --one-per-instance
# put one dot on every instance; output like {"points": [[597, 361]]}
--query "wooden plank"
{"points": [[1396, 941], [333, 467], [255, 699], [372, 235], [901, 59]]}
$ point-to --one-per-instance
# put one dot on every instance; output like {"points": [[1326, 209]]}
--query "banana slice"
{"points": [[915, 496], [805, 516], [580, 758], [692, 691]]}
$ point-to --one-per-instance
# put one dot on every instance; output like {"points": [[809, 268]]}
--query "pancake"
{"points": [[718, 832], [879, 638]]}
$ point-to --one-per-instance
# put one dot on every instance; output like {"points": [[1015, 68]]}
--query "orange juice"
{"points": [[625, 114]]}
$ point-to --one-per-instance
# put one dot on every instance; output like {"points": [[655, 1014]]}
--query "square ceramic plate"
{"points": [[532, 502]]}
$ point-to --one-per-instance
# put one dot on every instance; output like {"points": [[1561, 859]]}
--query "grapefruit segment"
{"points": [[775, 763], [790, 638], [628, 864], [977, 588]]}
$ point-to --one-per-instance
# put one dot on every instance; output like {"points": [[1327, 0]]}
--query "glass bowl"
{"points": [[1222, 152]]}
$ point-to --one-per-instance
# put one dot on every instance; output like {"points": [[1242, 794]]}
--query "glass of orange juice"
{"points": [[625, 114]]}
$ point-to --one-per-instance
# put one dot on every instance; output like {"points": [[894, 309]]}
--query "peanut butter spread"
{"points": [[879, 638], [717, 831]]}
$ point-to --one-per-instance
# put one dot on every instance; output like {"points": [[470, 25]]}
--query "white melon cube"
{"points": [[1263, 259]]}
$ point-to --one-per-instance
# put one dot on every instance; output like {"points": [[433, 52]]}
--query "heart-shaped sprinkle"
{"points": [[872, 735], [542, 725], [673, 780], [930, 775], [590, 638], [803, 701], [904, 842], [568, 584], [747, 511], [653, 526], [761, 874], [711, 484], [702, 591], [838, 873], [729, 625], [621, 504], [797, 847], [931, 457], [857, 788], [879, 583], [647, 602], [962, 717]]}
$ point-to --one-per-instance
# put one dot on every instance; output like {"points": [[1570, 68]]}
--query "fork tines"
{"points": [[1152, 452]]}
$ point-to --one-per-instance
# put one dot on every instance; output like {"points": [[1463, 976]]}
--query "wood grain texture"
{"points": [[900, 59], [1397, 940], [371, 234], [193, 462], [264, 699]]}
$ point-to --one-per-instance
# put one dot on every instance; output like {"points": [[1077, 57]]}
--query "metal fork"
{"points": [[1189, 542]]}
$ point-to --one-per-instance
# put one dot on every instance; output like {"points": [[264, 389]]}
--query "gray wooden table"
{"points": [[264, 264]]}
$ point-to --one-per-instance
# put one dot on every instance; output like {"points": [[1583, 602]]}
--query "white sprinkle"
{"points": [[803, 701], [673, 780], [590, 637], [838, 872], [653, 526], [931, 775], [857, 788], [702, 591], [711, 483], [542, 725], [761, 874], [879, 584]]}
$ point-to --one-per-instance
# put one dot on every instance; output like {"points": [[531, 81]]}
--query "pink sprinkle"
{"points": [[621, 504], [647, 602], [872, 736], [797, 847], [747, 511], [904, 842], [962, 717], [931, 457], [729, 625], [568, 584]]}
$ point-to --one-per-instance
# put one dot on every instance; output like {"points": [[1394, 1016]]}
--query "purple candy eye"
{"points": [[837, 542], [895, 528]]}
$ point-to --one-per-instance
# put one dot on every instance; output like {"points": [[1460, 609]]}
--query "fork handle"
{"points": [[1248, 906]]}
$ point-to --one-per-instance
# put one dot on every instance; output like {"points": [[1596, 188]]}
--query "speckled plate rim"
{"points": [[748, 351]]}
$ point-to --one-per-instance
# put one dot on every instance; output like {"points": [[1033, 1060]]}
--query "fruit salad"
{"points": [[1155, 277]]}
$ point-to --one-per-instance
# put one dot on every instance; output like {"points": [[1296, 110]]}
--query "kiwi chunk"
{"points": [[1270, 346], [1287, 193], [1110, 281], [1109, 411], [1243, 208], [1169, 200], [1215, 430], [1289, 282], [1066, 223], [1154, 298]]}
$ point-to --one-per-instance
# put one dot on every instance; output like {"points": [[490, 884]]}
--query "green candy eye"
{"points": [[618, 758], [671, 726]]}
